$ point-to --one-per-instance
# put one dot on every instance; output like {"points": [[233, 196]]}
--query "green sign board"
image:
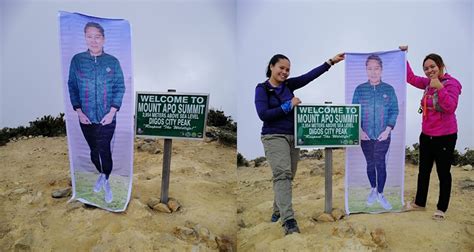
{"points": [[327, 125], [171, 115]]}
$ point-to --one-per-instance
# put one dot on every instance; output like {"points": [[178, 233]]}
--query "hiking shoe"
{"points": [[385, 204], [290, 227], [99, 184], [275, 217], [372, 197], [108, 191]]}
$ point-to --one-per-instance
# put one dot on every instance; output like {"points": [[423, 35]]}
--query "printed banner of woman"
{"points": [[375, 170], [97, 79]]}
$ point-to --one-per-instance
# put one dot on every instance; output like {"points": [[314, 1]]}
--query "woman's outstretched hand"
{"points": [[338, 57]]}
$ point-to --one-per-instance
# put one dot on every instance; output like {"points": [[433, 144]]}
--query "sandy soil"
{"points": [[235, 208], [203, 180], [407, 231]]}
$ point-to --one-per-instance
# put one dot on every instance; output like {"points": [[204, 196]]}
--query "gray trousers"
{"points": [[283, 157]]}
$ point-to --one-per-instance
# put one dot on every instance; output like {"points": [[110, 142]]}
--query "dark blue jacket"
{"points": [[268, 101], [95, 84], [379, 107]]}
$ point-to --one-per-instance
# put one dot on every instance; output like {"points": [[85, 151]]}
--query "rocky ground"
{"points": [[407, 231], [220, 208], [203, 180]]}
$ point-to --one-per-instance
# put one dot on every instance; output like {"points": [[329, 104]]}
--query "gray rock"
{"points": [[19, 191], [467, 167], [61, 193], [467, 184]]}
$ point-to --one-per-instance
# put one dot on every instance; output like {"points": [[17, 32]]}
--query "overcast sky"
{"points": [[222, 47]]}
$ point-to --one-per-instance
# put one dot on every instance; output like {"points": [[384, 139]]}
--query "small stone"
{"points": [[73, 205], [467, 184], [186, 234], [224, 243], [19, 191], [160, 207], [173, 204], [467, 167], [337, 213], [323, 217], [378, 236], [240, 209], [153, 202], [61, 193]]}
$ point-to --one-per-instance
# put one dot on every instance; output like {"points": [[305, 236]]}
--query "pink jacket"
{"points": [[439, 118]]}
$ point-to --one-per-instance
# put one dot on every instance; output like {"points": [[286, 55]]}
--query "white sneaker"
{"points": [[385, 204], [108, 191], [100, 183], [372, 197]]}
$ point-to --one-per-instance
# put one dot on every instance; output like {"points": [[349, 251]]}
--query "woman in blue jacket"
{"points": [[379, 111], [274, 101], [96, 88]]}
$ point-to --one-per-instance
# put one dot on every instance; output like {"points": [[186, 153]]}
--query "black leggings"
{"points": [[98, 138], [374, 153], [439, 149]]}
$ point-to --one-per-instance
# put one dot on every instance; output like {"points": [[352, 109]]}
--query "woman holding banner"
{"points": [[379, 111], [96, 88], [274, 102], [439, 130]]}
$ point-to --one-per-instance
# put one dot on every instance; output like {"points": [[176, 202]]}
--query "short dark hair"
{"points": [[95, 25], [436, 58], [273, 61], [374, 57]]}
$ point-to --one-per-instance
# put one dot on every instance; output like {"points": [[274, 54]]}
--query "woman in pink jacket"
{"points": [[439, 130]]}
